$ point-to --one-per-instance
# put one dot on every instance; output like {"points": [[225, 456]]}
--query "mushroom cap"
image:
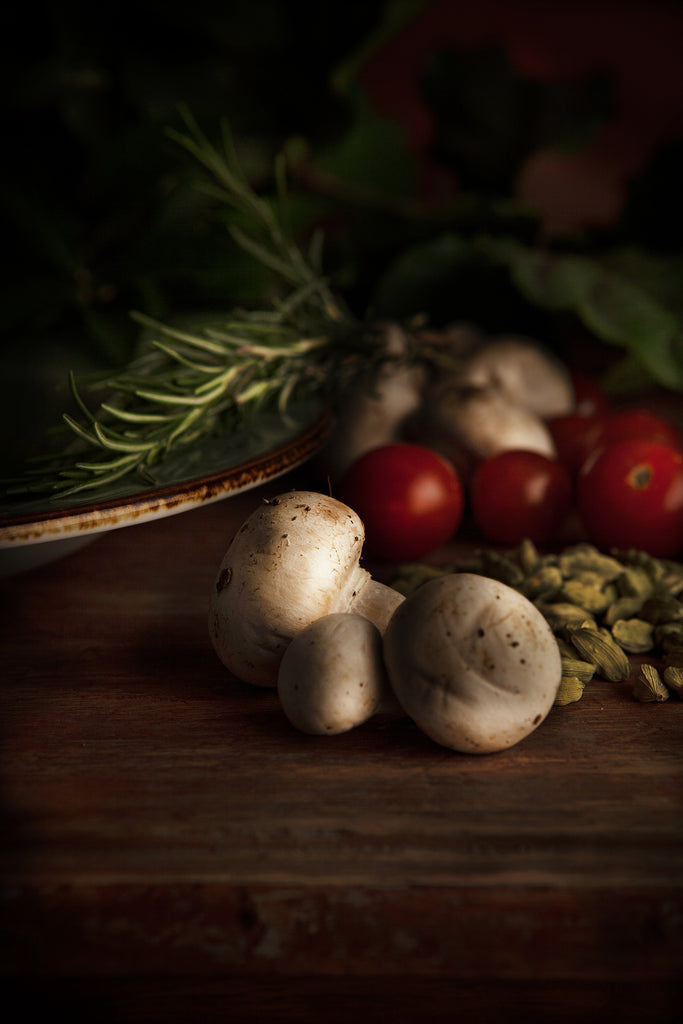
{"points": [[332, 675], [485, 421], [472, 662], [526, 373], [373, 413], [292, 561]]}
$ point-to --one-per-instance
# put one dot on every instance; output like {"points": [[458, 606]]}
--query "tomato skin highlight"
{"points": [[590, 398], [630, 495], [520, 494], [410, 499], [576, 438]]}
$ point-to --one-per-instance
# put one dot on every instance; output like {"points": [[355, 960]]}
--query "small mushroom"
{"points": [[525, 372], [295, 559], [472, 662], [375, 407], [332, 676], [483, 421]]}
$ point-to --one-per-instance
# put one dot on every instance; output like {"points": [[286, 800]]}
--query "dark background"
{"points": [[89, 221]]}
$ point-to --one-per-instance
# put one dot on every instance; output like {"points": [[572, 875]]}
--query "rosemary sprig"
{"points": [[189, 384], [184, 388], [227, 184]]}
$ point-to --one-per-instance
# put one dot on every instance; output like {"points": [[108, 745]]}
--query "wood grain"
{"points": [[173, 849]]}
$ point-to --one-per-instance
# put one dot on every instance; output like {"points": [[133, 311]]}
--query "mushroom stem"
{"points": [[377, 602]]}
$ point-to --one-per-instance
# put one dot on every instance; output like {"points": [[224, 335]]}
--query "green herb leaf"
{"points": [[610, 304]]}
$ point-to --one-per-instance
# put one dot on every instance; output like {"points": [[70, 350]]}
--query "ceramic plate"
{"points": [[33, 533]]}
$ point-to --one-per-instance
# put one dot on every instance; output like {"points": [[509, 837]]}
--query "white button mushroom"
{"points": [[332, 676], [485, 421], [525, 372], [498, 400], [295, 559], [472, 662], [375, 406]]}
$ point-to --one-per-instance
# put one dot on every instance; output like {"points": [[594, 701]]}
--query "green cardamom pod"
{"points": [[570, 690], [411, 576], [634, 635], [579, 669], [625, 607], [545, 582], [566, 649], [673, 657], [561, 614], [528, 556], [499, 567], [586, 558], [669, 635], [673, 678], [598, 646], [589, 591], [648, 685], [634, 582], [662, 608], [642, 560]]}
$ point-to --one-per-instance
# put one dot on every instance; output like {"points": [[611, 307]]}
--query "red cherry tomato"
{"points": [[590, 398], [630, 495], [410, 499], [641, 425], [576, 438], [520, 494]]}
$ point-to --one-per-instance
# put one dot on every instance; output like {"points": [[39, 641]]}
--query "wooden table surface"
{"points": [[174, 851]]}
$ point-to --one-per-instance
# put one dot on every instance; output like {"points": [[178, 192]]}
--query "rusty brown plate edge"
{"points": [[58, 524]]}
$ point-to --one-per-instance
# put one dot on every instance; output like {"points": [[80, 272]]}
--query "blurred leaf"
{"points": [[627, 299], [627, 376], [616, 308], [657, 274], [449, 279], [372, 153]]}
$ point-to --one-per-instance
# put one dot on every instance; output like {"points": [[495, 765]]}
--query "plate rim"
{"points": [[36, 527]]}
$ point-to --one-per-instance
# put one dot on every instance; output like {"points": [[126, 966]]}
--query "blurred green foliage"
{"points": [[99, 209]]}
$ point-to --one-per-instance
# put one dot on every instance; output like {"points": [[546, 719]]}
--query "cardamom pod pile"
{"points": [[600, 607]]}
